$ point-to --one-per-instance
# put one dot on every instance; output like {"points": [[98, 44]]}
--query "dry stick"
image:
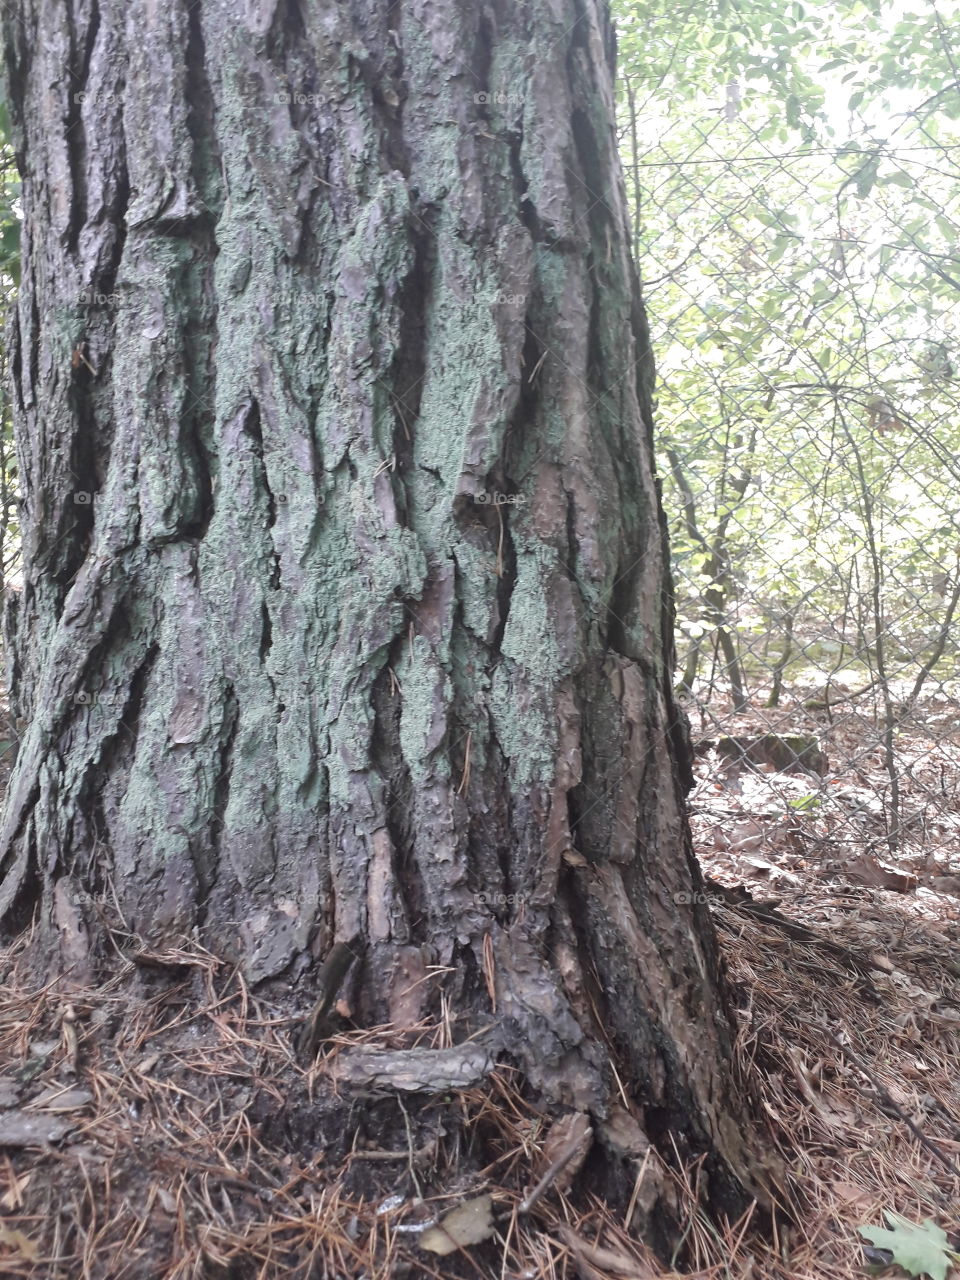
{"points": [[688, 506], [393, 1157], [828, 701], [879, 642], [785, 655], [500, 542], [465, 775], [887, 1101], [556, 1167], [939, 646], [715, 597], [332, 973], [720, 566], [411, 1155], [635, 1195]]}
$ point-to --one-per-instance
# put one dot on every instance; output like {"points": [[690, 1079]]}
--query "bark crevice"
{"points": [[208, 868]]}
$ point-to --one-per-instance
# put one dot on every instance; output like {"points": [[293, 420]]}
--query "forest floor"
{"points": [[171, 1133]]}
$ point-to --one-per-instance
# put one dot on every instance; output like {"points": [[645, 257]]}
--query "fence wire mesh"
{"points": [[803, 300]]}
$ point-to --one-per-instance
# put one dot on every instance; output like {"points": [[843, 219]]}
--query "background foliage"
{"points": [[795, 184]]}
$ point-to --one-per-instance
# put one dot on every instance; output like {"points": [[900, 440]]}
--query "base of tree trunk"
{"points": [[346, 615], [205, 1078]]}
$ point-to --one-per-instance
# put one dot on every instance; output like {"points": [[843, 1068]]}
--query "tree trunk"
{"points": [[346, 611]]}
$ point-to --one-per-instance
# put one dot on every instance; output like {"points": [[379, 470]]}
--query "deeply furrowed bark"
{"points": [[346, 610]]}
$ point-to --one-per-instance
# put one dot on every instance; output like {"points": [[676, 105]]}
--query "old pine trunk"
{"points": [[346, 610]]}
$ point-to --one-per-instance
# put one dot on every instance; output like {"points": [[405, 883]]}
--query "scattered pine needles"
{"points": [[191, 1144]]}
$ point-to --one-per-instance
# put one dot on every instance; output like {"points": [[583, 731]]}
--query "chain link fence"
{"points": [[804, 300]]}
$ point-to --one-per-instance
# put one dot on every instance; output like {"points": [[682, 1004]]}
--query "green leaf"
{"points": [[919, 1250], [803, 803], [10, 239], [866, 176]]}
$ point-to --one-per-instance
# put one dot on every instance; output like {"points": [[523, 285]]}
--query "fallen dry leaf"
{"points": [[167, 1199], [868, 871], [852, 1195], [567, 1144], [21, 1245], [470, 1223], [609, 1260], [12, 1198]]}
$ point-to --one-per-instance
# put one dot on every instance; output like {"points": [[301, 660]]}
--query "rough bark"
{"points": [[346, 610]]}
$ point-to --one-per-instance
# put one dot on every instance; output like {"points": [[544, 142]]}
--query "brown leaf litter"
{"points": [[148, 1135]]}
